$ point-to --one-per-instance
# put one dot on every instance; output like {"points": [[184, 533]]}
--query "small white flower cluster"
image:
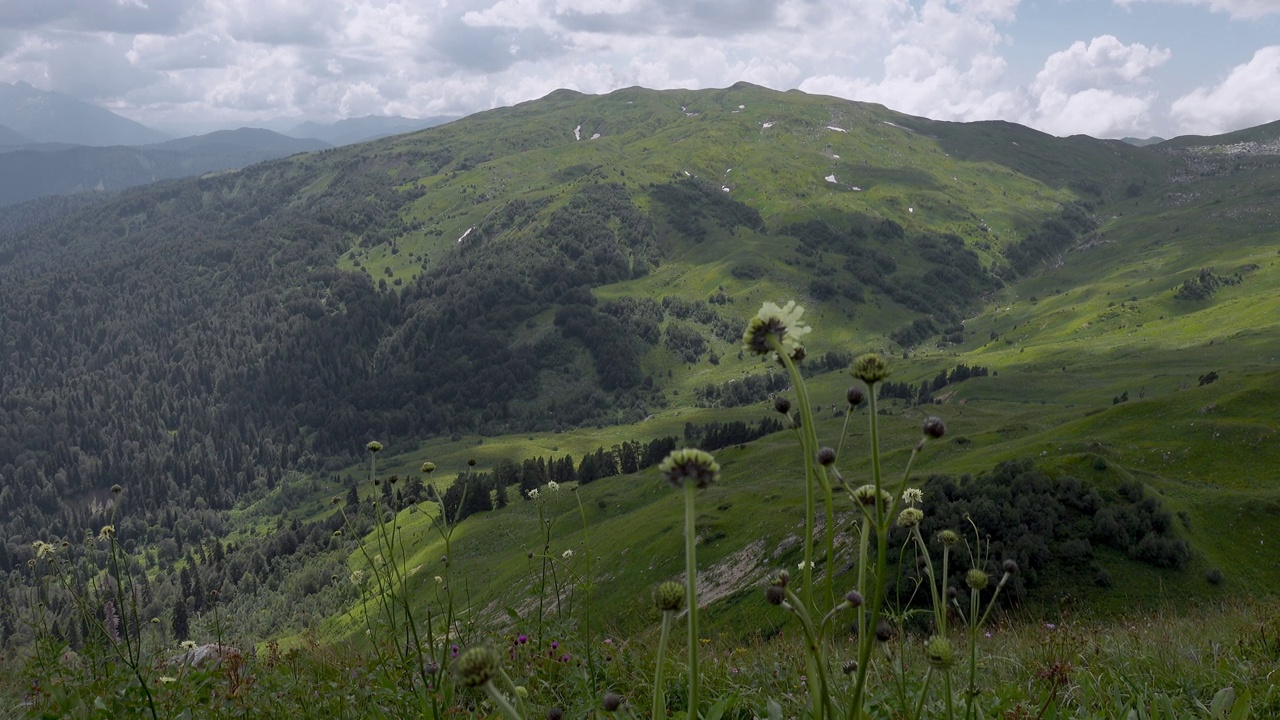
{"points": [[913, 496]]}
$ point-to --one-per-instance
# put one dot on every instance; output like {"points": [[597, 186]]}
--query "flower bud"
{"points": [[884, 631], [870, 368], [669, 596], [428, 467], [1011, 567], [854, 395], [775, 594], [782, 405], [948, 537], [826, 456], [611, 701], [976, 579], [854, 598], [910, 517], [374, 446], [934, 427]]}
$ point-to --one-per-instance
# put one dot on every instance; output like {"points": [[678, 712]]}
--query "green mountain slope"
{"points": [[573, 274]]}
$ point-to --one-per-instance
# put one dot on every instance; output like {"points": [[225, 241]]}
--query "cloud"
{"points": [[1244, 9], [1247, 97], [1091, 88], [112, 16]]}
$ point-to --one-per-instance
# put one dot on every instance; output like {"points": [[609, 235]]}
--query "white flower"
{"points": [[438, 579], [553, 486], [780, 324], [567, 554], [803, 565], [911, 496], [188, 645], [533, 494]]}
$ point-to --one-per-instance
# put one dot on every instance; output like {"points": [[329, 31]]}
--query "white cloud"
{"points": [[1247, 97], [1092, 88], [1235, 8]]}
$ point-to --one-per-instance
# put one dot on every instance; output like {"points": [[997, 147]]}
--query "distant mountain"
{"points": [[1142, 142], [44, 170], [372, 127], [52, 117], [9, 136]]}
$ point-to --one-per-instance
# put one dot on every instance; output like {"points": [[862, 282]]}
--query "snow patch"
{"points": [[725, 189], [911, 210], [766, 125], [835, 157], [833, 127], [686, 174], [855, 188], [742, 107], [830, 178], [465, 234], [595, 136], [577, 133]]}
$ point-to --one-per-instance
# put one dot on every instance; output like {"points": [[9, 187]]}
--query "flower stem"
{"points": [[691, 594], [659, 697]]}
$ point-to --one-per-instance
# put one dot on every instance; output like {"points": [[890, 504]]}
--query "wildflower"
{"points": [[690, 465], [782, 405], [374, 446], [1010, 567], [335, 499], [43, 549], [802, 565], [521, 639], [781, 578], [948, 537], [553, 486], [911, 496], [669, 596], [477, 666], [533, 494], [187, 645], [910, 517], [611, 702], [116, 489], [428, 468], [854, 598], [940, 652], [567, 554], [870, 368], [782, 324], [775, 594], [884, 631], [168, 679], [438, 579]]}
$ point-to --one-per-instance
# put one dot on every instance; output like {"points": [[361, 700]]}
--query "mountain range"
{"points": [[574, 273]]}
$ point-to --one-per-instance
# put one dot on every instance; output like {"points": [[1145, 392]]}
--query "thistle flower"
{"points": [[826, 456], [948, 537], [855, 396], [476, 666], [374, 446], [669, 596], [775, 594], [780, 323], [690, 465], [866, 496], [782, 405], [912, 496], [940, 652], [976, 579], [611, 701], [870, 368], [910, 517]]}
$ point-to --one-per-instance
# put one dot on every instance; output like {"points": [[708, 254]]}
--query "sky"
{"points": [[1106, 68]]}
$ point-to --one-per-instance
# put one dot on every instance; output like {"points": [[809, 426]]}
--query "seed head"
{"points": [[934, 427], [870, 368], [471, 462], [910, 517], [669, 596], [775, 594], [476, 666], [555, 713], [854, 598], [689, 465], [949, 537], [780, 325], [855, 396], [976, 579], [116, 489], [335, 499], [1011, 567], [940, 652], [826, 456], [781, 578], [850, 667], [884, 631], [374, 446], [428, 468], [782, 405]]}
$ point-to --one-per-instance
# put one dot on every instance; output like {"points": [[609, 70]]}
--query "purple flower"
{"points": [[522, 639], [453, 651], [555, 645]]}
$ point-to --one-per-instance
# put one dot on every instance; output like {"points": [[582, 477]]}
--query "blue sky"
{"points": [[1107, 68]]}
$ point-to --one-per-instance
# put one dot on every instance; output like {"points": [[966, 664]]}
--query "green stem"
{"points": [[809, 447], [587, 587], [924, 691], [691, 593], [504, 705], [819, 693], [659, 697]]}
